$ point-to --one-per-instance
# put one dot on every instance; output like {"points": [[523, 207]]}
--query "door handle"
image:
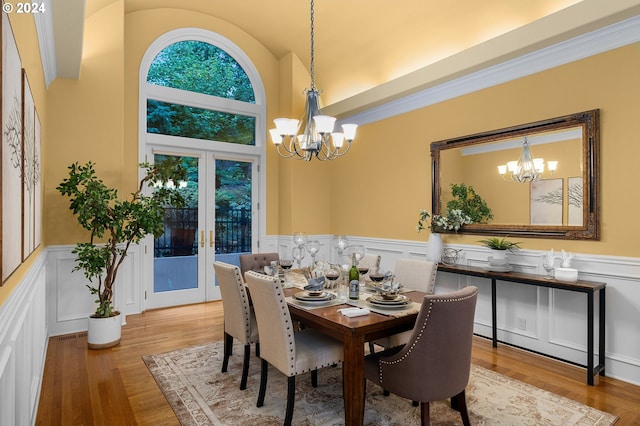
{"points": [[201, 238], [210, 238]]}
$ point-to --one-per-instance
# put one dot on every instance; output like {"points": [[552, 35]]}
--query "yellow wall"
{"points": [[377, 189], [391, 157], [87, 120]]}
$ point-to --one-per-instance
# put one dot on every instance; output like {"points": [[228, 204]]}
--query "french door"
{"points": [[218, 222]]}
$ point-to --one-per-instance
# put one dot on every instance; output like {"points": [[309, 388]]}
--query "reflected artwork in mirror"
{"points": [[540, 179]]}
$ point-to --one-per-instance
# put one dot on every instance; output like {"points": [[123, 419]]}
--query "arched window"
{"points": [[198, 85], [200, 67]]}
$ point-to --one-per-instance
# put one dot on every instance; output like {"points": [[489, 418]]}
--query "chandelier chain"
{"points": [[312, 66]]}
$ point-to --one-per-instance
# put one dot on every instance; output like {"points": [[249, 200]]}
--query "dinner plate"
{"points": [[375, 304], [307, 296], [377, 299], [499, 268]]}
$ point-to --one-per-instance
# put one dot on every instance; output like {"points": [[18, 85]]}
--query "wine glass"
{"points": [[298, 254], [300, 239], [363, 269], [358, 251], [340, 243], [548, 265], [376, 275], [332, 276], [286, 261], [313, 247]]}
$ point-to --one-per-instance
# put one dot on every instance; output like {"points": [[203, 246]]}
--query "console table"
{"points": [[587, 287]]}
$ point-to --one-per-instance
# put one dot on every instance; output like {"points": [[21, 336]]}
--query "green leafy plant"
{"points": [[452, 221], [496, 243], [470, 203], [118, 223]]}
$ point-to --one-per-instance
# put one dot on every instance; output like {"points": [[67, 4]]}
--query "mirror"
{"points": [[562, 202]]}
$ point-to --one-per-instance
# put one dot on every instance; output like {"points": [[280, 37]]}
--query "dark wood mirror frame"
{"points": [[589, 121]]}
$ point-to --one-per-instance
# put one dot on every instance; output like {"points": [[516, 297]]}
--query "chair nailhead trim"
{"points": [[422, 328]]}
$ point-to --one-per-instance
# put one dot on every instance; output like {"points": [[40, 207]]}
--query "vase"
{"points": [[434, 247]]}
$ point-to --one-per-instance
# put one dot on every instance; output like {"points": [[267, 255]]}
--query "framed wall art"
{"points": [[11, 152], [547, 199]]}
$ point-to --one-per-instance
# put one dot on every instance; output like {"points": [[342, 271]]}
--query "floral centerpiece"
{"points": [[452, 221]]}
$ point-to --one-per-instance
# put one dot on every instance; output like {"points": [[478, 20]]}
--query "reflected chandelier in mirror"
{"points": [[540, 179]]}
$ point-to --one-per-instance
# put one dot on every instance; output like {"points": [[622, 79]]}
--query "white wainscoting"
{"points": [[69, 300], [23, 344], [544, 320], [547, 321]]}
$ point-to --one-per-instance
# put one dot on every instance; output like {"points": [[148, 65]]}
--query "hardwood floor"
{"points": [[114, 387]]}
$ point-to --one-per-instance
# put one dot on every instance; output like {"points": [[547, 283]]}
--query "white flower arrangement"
{"points": [[452, 221]]}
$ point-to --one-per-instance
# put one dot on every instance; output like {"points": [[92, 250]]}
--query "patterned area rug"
{"points": [[200, 394]]}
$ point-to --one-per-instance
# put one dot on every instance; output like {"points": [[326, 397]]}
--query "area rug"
{"points": [[200, 394]]}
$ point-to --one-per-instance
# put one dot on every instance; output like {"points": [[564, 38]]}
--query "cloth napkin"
{"points": [[354, 312]]}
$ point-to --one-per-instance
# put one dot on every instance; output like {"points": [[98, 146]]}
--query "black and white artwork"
{"points": [[28, 168], [11, 152], [575, 201], [547, 199]]}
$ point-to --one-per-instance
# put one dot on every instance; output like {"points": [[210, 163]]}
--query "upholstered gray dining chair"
{"points": [[436, 361], [256, 261], [415, 274], [291, 351], [239, 318]]}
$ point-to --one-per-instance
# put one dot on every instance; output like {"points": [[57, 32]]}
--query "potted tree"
{"points": [[115, 224]]}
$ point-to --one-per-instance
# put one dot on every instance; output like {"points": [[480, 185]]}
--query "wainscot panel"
{"points": [[23, 343]]}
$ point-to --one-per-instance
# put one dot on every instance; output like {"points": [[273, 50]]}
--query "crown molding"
{"points": [[602, 40], [46, 40]]}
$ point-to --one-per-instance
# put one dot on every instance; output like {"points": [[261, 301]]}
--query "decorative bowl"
{"points": [[566, 274], [389, 295]]}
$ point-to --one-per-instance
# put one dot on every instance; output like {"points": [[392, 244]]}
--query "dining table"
{"points": [[354, 332]]}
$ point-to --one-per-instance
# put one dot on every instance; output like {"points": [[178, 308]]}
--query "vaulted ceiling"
{"points": [[378, 48]]}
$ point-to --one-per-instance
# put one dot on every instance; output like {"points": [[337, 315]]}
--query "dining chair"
{"points": [[239, 318], [256, 261], [415, 274], [436, 361], [291, 351]]}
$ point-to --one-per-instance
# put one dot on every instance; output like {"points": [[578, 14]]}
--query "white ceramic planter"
{"points": [[498, 254], [104, 332]]}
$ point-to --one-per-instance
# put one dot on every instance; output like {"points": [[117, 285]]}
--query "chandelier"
{"points": [[527, 168], [313, 135]]}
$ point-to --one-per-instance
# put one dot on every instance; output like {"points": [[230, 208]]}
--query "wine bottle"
{"points": [[354, 279]]}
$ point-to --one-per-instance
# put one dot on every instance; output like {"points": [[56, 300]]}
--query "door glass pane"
{"points": [[233, 210], [176, 251]]}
